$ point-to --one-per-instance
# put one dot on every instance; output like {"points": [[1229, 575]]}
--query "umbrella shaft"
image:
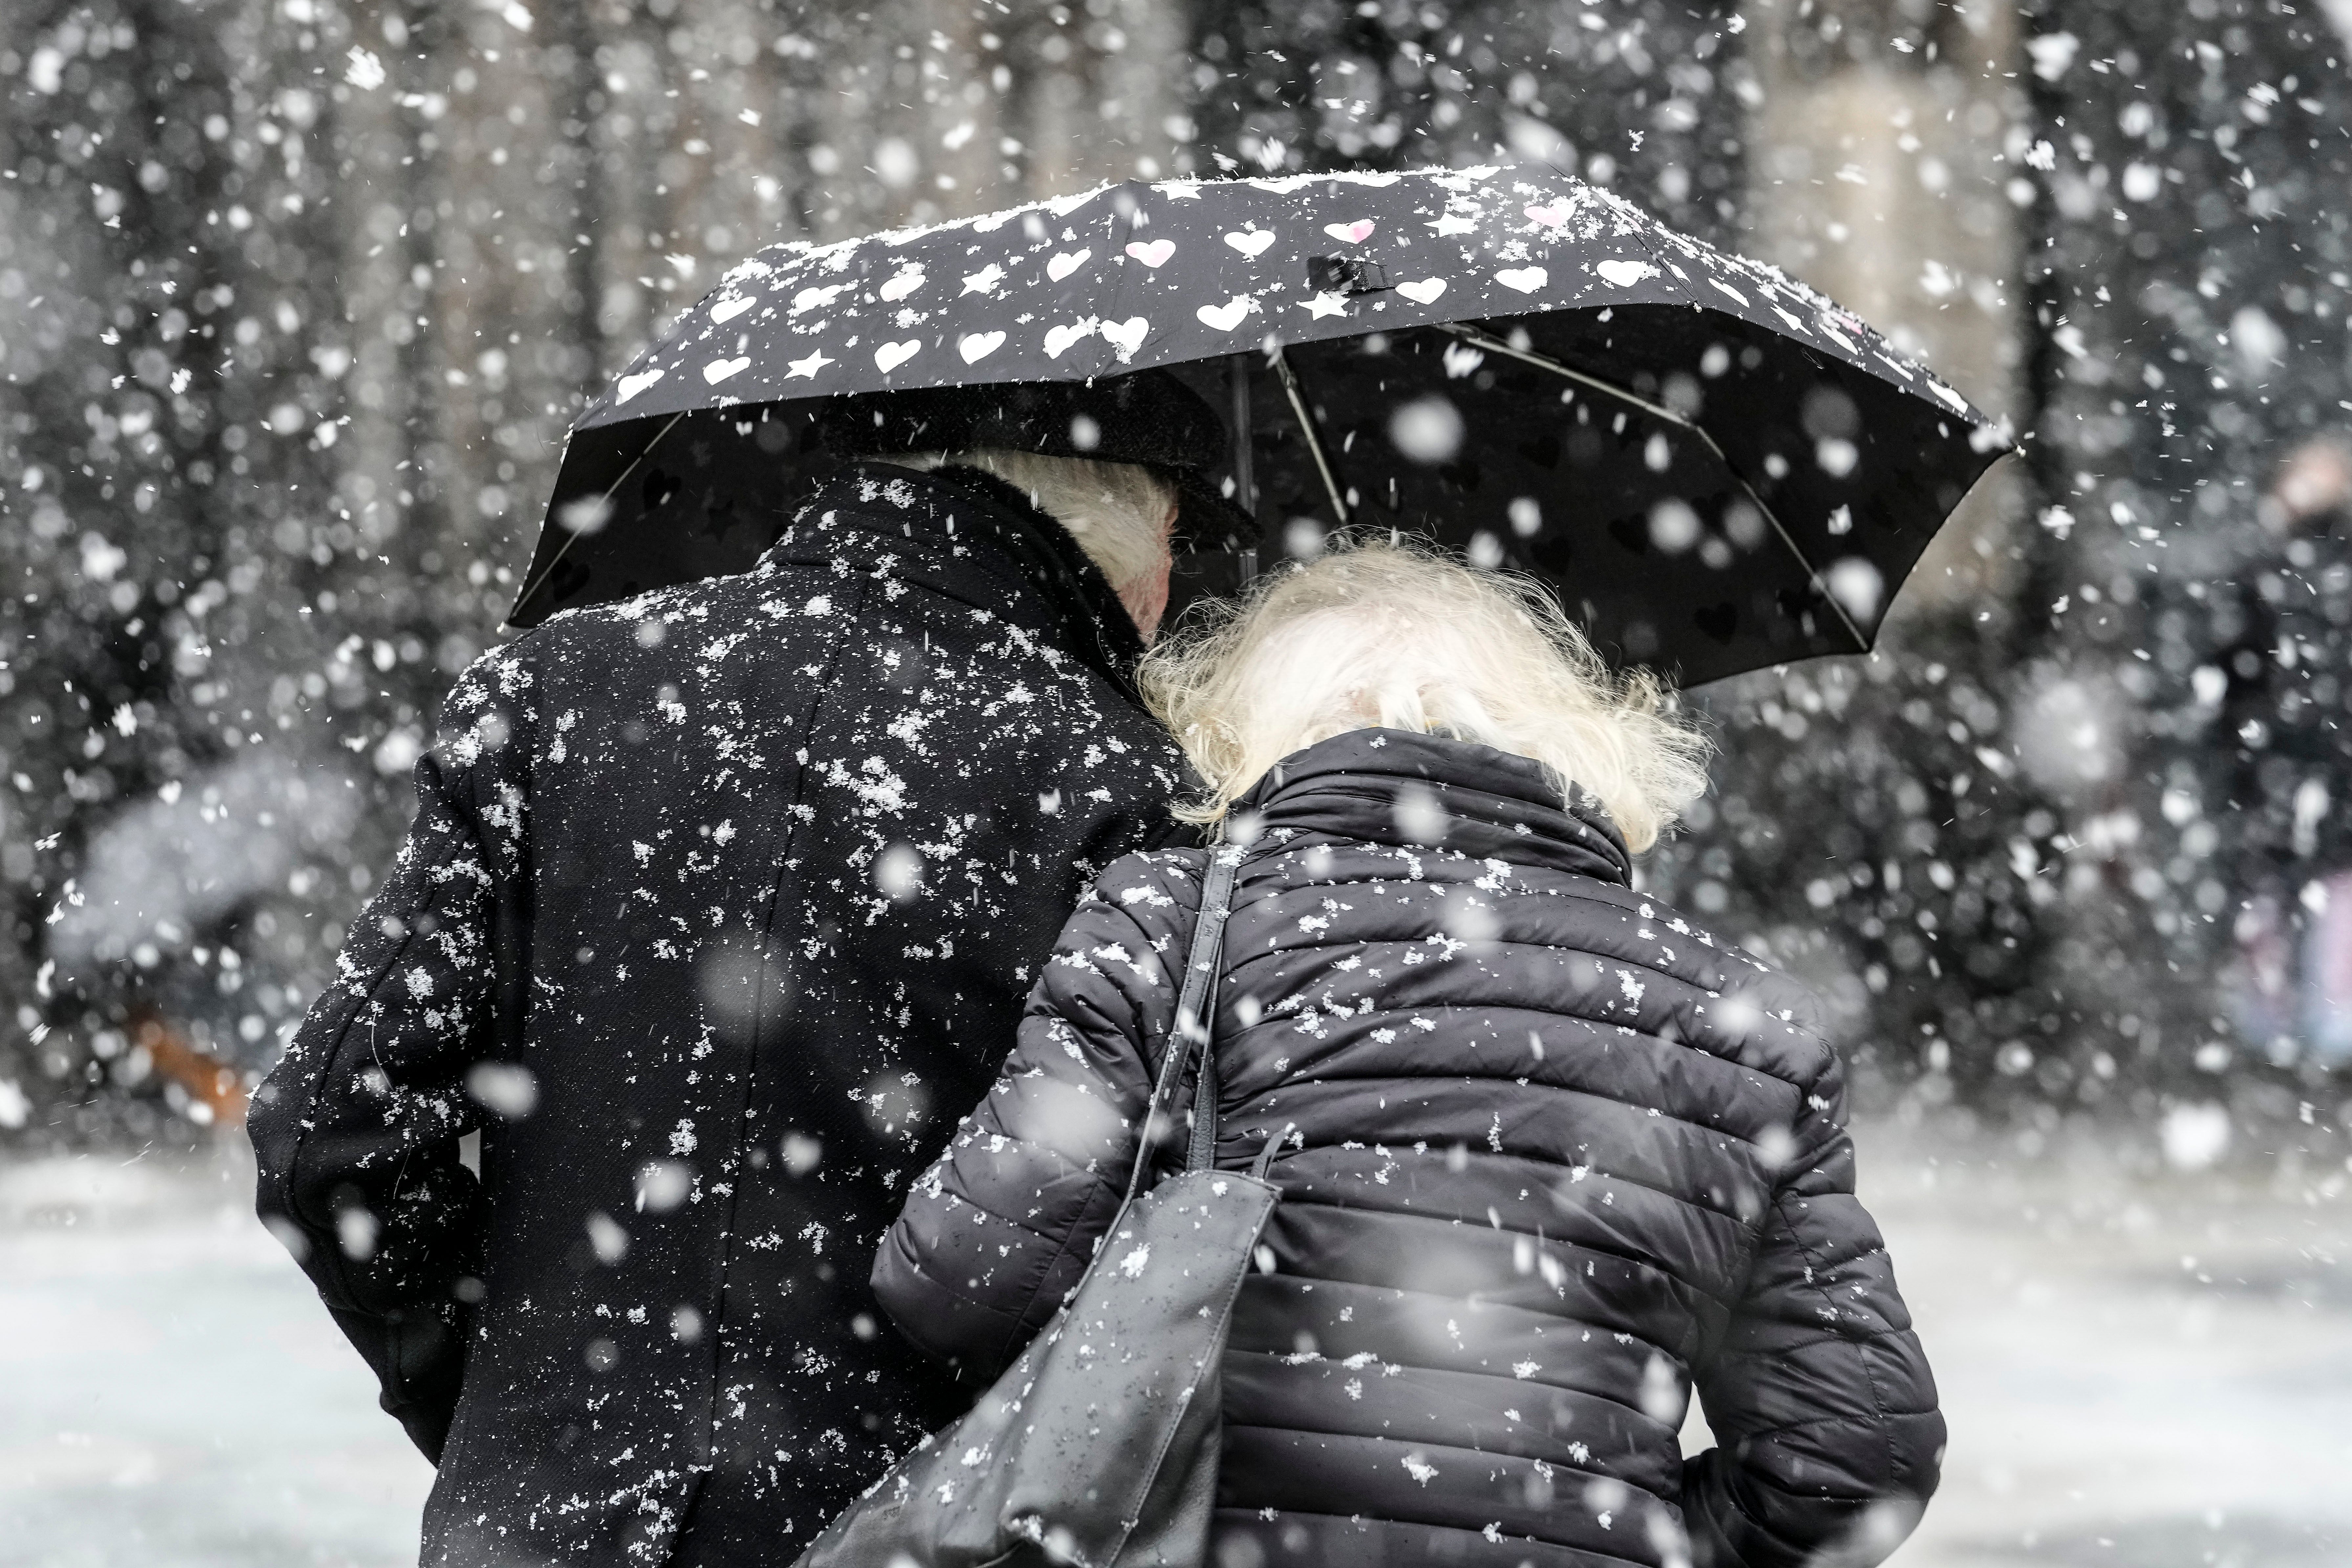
{"points": [[1244, 441]]}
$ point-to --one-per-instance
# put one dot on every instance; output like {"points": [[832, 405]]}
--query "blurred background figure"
{"points": [[179, 905], [2283, 752]]}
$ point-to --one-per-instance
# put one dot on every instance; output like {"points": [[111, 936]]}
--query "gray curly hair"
{"points": [[1398, 635]]}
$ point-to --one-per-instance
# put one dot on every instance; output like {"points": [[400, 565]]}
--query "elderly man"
{"points": [[719, 905]]}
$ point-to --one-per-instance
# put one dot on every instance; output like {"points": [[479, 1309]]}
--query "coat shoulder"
{"points": [[1154, 887], [1759, 1011], [649, 622]]}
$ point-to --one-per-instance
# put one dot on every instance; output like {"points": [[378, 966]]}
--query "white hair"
{"points": [[1377, 633], [1119, 512]]}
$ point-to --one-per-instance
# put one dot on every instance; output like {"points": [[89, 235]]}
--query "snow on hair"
{"points": [[1119, 512], [1377, 633]]}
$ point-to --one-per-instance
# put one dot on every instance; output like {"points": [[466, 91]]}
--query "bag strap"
{"points": [[1196, 1011], [1201, 1153]]}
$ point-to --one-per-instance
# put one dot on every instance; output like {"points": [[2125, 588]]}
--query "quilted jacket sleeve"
{"points": [[356, 1129], [1819, 1393], [1000, 1230]]}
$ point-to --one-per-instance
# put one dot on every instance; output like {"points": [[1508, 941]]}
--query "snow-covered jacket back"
{"points": [[1557, 1156], [719, 905]]}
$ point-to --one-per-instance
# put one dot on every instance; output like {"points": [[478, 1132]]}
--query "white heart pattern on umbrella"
{"points": [[1624, 274], [1016, 298], [1060, 338], [1125, 336], [1229, 315]]}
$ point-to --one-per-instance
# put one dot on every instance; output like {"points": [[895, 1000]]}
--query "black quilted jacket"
{"points": [[1559, 1158], [719, 907]]}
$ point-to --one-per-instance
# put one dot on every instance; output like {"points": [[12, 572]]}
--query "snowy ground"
{"points": [[174, 1396], [2138, 1374]]}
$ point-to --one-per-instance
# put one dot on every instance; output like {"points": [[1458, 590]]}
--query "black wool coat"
{"points": [[1557, 1158], [719, 905]]}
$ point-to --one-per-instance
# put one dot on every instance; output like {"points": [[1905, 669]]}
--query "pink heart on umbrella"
{"points": [[1153, 254], [1354, 233], [1553, 216]]}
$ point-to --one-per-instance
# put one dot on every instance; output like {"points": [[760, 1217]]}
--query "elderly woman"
{"points": [[1555, 1157]]}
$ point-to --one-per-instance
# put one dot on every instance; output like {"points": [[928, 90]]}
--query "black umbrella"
{"points": [[1717, 468]]}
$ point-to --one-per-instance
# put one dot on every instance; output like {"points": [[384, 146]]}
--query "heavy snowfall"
{"points": [[299, 300]]}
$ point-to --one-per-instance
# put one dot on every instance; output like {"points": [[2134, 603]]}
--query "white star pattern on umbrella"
{"points": [[1322, 305], [808, 367]]}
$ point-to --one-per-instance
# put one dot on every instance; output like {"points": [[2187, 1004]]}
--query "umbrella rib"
{"points": [[1307, 428], [1473, 336], [571, 536]]}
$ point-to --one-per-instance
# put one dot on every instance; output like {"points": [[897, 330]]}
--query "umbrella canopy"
{"points": [[1715, 467]]}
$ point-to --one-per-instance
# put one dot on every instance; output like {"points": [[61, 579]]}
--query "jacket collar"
{"points": [[1366, 785], [974, 538]]}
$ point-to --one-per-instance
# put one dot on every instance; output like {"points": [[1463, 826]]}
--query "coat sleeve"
{"points": [[356, 1129], [1000, 1230], [1819, 1395]]}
